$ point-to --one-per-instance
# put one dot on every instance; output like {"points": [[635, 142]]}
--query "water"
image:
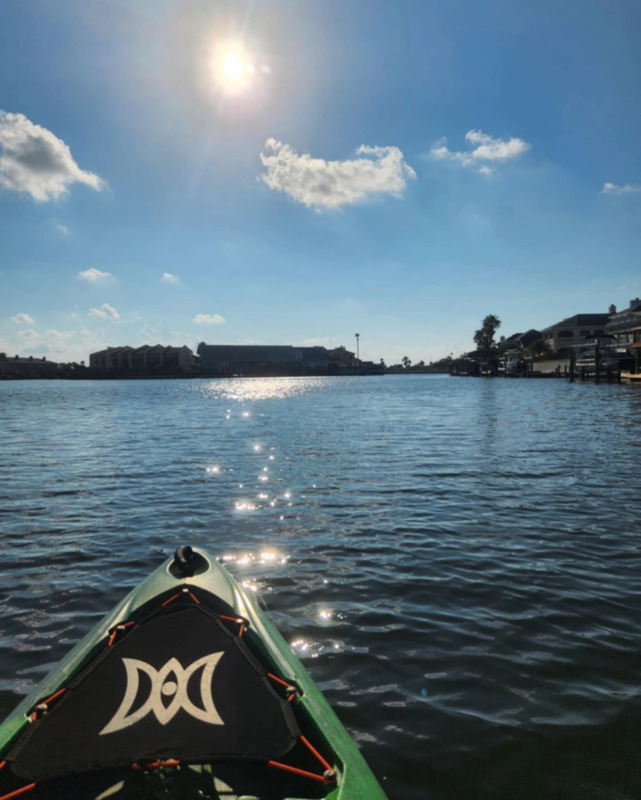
{"points": [[456, 560]]}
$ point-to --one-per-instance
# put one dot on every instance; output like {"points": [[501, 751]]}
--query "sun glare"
{"points": [[233, 66]]}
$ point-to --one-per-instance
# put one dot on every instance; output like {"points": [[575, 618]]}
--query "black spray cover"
{"points": [[180, 685]]}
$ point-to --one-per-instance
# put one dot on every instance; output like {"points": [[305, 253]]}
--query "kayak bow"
{"points": [[185, 689]]}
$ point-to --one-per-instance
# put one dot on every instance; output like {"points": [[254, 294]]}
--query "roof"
{"points": [[144, 348], [525, 338], [579, 321], [39, 361]]}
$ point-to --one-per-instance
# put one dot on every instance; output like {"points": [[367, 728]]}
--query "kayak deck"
{"points": [[185, 690]]}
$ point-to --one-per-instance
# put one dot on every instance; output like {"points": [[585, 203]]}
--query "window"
{"points": [[565, 334]]}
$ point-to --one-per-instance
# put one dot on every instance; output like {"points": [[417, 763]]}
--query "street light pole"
{"points": [[357, 350]]}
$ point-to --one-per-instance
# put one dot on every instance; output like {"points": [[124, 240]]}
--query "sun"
{"points": [[231, 69], [233, 66]]}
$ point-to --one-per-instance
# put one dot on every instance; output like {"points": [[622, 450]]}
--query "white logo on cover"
{"points": [[161, 686]]}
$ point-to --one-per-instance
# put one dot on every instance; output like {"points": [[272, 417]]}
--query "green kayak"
{"points": [[185, 689]]}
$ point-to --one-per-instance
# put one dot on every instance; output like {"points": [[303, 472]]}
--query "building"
{"points": [[280, 360], [145, 360], [255, 360], [575, 330], [624, 328], [27, 367]]}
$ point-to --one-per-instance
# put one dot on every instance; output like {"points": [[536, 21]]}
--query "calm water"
{"points": [[457, 561]]}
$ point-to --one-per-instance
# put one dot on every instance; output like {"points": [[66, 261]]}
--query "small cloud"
{"points": [[55, 337], [29, 335], [331, 184], [167, 277], [487, 149], [627, 188], [320, 341], [440, 152], [19, 319], [94, 275], [63, 229], [35, 162], [209, 319], [104, 312]]}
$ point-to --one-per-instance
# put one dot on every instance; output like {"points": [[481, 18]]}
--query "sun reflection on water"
{"points": [[244, 505], [270, 556], [254, 570], [250, 389], [304, 648]]}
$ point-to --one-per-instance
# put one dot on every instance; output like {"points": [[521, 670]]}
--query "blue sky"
{"points": [[296, 171]]}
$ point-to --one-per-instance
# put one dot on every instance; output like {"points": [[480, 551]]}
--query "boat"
{"points": [[185, 690]]}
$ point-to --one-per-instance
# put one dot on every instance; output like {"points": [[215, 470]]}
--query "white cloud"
{"points": [[104, 312], [330, 184], [29, 335], [94, 275], [63, 229], [167, 277], [23, 318], [209, 319], [494, 151], [35, 162], [627, 188]]}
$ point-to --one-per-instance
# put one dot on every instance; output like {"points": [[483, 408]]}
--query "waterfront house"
{"points": [[580, 328], [624, 328]]}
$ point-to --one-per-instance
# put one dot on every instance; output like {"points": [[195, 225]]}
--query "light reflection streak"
{"points": [[251, 389], [265, 557]]}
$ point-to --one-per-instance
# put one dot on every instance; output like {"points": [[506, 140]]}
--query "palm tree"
{"points": [[485, 344]]}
